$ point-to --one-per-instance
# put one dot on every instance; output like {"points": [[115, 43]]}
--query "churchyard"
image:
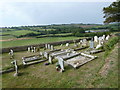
{"points": [[69, 65]]}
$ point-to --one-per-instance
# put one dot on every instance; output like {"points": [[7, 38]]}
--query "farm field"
{"points": [[86, 76], [35, 41], [19, 32]]}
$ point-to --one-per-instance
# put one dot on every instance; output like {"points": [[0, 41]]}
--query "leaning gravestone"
{"points": [[16, 67], [61, 63], [108, 36], [99, 45]]}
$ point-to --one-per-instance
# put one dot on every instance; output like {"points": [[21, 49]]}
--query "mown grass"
{"points": [[35, 41]]}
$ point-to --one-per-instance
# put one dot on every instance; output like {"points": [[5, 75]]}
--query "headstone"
{"points": [[61, 63], [108, 36], [52, 47], [61, 45], [84, 43], [50, 59], [46, 54], [92, 44], [34, 48], [28, 49], [100, 40], [81, 41], [16, 67], [103, 37], [48, 46], [95, 39], [67, 44], [75, 43], [11, 54], [99, 45]]}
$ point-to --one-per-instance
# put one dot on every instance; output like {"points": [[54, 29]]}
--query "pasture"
{"points": [[18, 33]]}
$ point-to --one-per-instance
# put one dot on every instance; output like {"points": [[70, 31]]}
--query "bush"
{"points": [[110, 45]]}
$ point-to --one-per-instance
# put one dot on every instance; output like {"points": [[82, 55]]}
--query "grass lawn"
{"points": [[41, 76], [35, 41]]}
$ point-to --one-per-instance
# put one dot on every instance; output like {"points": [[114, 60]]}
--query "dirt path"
{"points": [[109, 62], [15, 39]]}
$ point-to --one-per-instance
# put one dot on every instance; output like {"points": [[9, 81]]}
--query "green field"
{"points": [[41, 76], [19, 32], [6, 37], [35, 41]]}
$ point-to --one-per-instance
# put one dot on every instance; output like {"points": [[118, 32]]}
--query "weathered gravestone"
{"points": [[48, 46], [34, 49], [46, 55], [61, 63], [84, 42], [61, 45], [95, 39], [99, 45], [50, 59], [11, 53], [103, 37], [92, 44], [67, 44], [108, 36], [28, 49], [16, 67], [52, 47]]}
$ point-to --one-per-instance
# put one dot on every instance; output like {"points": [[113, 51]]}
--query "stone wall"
{"points": [[24, 48]]}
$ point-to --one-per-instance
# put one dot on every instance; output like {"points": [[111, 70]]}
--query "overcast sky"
{"points": [[41, 13]]}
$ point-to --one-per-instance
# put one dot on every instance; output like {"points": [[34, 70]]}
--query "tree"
{"points": [[112, 12]]}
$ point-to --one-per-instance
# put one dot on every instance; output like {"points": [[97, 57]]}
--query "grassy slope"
{"points": [[87, 76]]}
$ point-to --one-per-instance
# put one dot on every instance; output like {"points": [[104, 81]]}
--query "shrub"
{"points": [[110, 45]]}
